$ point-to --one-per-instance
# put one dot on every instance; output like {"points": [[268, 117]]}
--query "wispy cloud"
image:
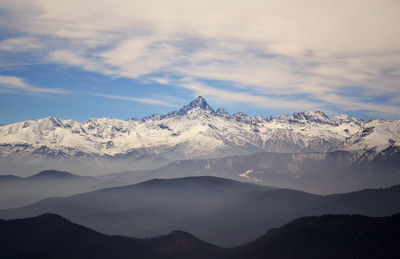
{"points": [[351, 104], [20, 44], [18, 85], [140, 100]]}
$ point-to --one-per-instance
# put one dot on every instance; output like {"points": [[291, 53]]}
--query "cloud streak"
{"points": [[135, 99], [14, 84]]}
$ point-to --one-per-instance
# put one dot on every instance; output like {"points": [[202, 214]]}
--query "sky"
{"points": [[126, 58]]}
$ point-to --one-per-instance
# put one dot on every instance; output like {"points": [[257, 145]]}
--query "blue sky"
{"points": [[81, 59]]}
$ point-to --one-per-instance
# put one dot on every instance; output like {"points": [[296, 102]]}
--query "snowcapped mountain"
{"points": [[194, 131]]}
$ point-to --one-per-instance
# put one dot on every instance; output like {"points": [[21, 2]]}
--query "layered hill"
{"points": [[21, 191], [322, 173], [51, 236], [220, 211], [331, 236]]}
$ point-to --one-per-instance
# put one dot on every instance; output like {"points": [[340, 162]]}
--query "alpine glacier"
{"points": [[194, 131]]}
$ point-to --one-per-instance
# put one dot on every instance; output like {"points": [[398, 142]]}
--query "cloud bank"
{"points": [[334, 55]]}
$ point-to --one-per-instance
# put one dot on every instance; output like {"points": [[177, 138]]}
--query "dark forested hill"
{"points": [[330, 236]]}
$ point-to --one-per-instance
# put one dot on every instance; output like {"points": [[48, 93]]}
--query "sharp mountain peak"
{"points": [[199, 102]]}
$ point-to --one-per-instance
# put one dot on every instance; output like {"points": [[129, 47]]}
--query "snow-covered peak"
{"points": [[154, 116], [197, 106], [309, 116], [344, 118], [242, 117], [284, 117], [222, 112], [198, 103]]}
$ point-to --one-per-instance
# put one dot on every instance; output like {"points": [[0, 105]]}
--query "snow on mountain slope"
{"points": [[377, 135], [194, 131]]}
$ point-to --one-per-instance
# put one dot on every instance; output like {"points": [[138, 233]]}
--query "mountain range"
{"points": [[196, 131], [219, 211]]}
